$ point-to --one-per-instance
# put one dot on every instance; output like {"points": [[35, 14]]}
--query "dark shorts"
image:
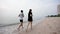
{"points": [[21, 20]]}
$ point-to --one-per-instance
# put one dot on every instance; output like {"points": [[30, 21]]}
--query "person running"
{"points": [[30, 19], [21, 15]]}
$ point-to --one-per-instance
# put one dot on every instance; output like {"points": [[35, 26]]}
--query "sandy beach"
{"points": [[49, 25]]}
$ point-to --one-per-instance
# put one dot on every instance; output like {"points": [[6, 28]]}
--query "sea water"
{"points": [[10, 9]]}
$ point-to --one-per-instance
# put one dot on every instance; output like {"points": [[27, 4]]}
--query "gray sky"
{"points": [[9, 9]]}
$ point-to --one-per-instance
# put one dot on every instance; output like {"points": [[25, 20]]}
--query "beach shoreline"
{"points": [[48, 25]]}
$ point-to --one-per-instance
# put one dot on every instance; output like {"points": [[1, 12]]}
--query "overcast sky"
{"points": [[11, 8]]}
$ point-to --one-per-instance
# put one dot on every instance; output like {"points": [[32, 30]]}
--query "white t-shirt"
{"points": [[21, 15]]}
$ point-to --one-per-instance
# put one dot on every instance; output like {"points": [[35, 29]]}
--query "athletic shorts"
{"points": [[21, 20]]}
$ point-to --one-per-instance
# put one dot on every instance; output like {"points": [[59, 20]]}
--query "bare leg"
{"points": [[19, 26], [31, 25], [22, 25], [27, 26]]}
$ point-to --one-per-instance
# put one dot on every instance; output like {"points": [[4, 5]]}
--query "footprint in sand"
{"points": [[54, 33], [49, 26]]}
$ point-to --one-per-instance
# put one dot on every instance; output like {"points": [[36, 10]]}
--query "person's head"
{"points": [[21, 11], [30, 10]]}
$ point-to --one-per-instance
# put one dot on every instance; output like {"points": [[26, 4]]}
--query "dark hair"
{"points": [[30, 10], [22, 11]]}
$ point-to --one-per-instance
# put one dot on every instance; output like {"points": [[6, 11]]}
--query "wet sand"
{"points": [[50, 25]]}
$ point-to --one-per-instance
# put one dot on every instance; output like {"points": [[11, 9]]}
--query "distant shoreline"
{"points": [[4, 25], [54, 15]]}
